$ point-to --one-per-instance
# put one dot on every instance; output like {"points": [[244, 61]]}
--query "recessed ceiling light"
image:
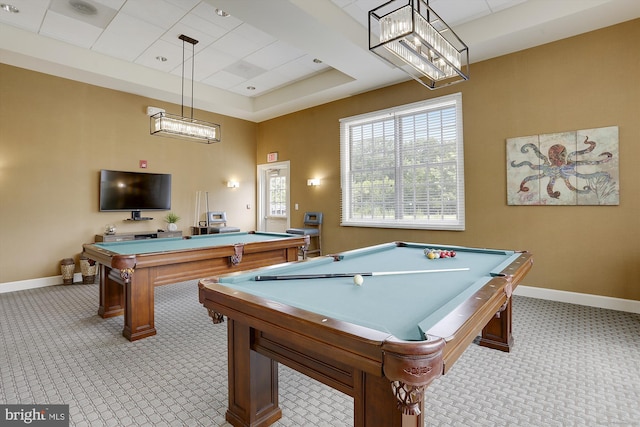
{"points": [[161, 58], [83, 7], [222, 13], [9, 8]]}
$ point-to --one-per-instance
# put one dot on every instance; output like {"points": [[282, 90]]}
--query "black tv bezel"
{"points": [[134, 208]]}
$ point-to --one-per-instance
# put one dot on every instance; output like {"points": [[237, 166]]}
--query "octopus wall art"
{"points": [[568, 168]]}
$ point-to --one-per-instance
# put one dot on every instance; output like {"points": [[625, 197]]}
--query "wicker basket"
{"points": [[67, 268], [88, 268]]}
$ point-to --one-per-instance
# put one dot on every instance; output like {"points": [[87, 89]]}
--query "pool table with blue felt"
{"points": [[130, 270], [382, 343]]}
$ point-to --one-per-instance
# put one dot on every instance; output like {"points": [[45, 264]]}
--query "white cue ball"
{"points": [[358, 280]]}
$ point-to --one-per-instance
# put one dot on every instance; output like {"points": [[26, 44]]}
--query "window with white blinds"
{"points": [[404, 167]]}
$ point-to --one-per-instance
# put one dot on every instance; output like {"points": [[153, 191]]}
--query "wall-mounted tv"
{"points": [[134, 191]]}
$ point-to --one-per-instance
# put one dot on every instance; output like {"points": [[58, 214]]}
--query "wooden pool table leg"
{"points": [[497, 333], [138, 309], [111, 295], [374, 405], [253, 381]]}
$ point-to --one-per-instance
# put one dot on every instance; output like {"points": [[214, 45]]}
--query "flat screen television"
{"points": [[134, 191]]}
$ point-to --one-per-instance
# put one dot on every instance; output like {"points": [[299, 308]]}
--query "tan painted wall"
{"points": [[56, 134], [583, 82]]}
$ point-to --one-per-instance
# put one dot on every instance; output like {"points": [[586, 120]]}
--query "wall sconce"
{"points": [[233, 184], [314, 182]]}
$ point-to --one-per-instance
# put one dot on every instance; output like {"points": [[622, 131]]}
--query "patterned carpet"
{"points": [[571, 366]]}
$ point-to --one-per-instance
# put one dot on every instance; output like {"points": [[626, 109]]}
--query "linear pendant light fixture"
{"points": [[174, 126], [411, 36]]}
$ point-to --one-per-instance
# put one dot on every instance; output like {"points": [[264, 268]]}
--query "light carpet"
{"points": [[571, 366]]}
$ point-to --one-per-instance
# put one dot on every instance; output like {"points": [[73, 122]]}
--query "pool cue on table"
{"points": [[332, 275]]}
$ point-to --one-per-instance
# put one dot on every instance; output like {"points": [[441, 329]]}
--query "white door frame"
{"points": [[262, 192]]}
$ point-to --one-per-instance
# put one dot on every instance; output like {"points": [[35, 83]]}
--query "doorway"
{"points": [[273, 201]]}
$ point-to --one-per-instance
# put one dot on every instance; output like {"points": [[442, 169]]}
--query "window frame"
{"points": [[281, 192], [396, 113]]}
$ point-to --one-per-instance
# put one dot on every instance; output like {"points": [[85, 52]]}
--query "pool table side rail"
{"points": [[347, 342], [462, 325], [453, 248], [152, 259], [229, 250]]}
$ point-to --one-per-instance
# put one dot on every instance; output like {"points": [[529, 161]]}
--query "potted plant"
{"points": [[172, 219]]}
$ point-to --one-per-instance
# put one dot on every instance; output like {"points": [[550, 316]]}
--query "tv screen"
{"points": [[134, 191]]}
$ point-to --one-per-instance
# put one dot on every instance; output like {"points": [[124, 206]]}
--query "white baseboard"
{"points": [[631, 306], [41, 282]]}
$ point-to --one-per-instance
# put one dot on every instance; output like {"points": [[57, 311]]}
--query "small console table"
{"points": [[121, 237]]}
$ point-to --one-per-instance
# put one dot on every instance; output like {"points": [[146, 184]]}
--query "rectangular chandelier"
{"points": [[411, 36], [171, 125], [174, 126]]}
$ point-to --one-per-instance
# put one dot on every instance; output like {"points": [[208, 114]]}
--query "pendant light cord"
{"points": [[182, 87]]}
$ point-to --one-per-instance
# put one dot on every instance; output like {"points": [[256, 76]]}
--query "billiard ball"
{"points": [[358, 280]]}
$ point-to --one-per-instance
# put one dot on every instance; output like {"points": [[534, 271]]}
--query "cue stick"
{"points": [[207, 212], [372, 273], [197, 208]]}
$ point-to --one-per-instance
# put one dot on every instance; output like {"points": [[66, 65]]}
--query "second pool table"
{"points": [[130, 270], [382, 342]]}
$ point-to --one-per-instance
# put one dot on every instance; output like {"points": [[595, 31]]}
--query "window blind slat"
{"points": [[403, 167]]}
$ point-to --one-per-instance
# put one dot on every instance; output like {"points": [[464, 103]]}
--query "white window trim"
{"points": [[454, 225]]}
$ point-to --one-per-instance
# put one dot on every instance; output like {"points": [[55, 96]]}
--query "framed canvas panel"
{"points": [[567, 168]]}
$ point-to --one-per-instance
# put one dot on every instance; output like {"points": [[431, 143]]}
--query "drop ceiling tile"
{"points": [[156, 12], [456, 12], [342, 3], [367, 5], [254, 35], [127, 37], [205, 11], [244, 69], [184, 4], [360, 10], [358, 14], [72, 31], [113, 4], [29, 17], [274, 55], [210, 61], [172, 36], [223, 80], [100, 16], [163, 49], [202, 25], [236, 45]]}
